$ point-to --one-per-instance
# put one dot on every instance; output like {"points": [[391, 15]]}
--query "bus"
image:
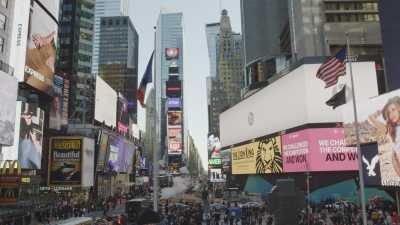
{"points": [[76, 221]]}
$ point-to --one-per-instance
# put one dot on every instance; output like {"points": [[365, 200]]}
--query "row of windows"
{"points": [[111, 22], [3, 21], [352, 17], [351, 6]]}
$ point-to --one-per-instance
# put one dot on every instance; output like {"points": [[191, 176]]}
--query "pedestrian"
{"points": [[149, 217]]}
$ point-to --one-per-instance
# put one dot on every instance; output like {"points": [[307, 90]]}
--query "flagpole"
{"points": [[360, 171], [155, 148]]}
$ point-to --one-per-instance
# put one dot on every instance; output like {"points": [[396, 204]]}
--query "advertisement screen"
{"points": [[65, 101], [216, 175], [103, 147], [173, 103], [30, 136], [88, 162], [173, 70], [214, 147], [118, 155], [317, 149], [171, 53], [41, 46], [174, 148], [122, 114], [378, 119], [259, 157], [65, 161], [174, 88], [174, 118], [175, 134], [129, 156], [106, 103], [8, 93], [58, 106], [371, 166]]}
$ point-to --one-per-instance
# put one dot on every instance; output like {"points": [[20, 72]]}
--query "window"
{"points": [[1, 44], [3, 20], [4, 3]]}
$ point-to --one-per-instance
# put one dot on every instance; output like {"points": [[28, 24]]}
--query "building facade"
{"points": [[298, 29], [150, 135], [105, 8], [75, 57], [169, 79], [6, 21], [118, 58]]}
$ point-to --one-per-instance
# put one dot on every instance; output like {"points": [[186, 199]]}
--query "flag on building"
{"points": [[333, 68], [337, 99], [147, 78]]}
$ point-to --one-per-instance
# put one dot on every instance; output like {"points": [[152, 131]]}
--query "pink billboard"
{"points": [[317, 149]]}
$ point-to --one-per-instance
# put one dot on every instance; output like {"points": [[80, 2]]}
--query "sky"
{"points": [[196, 14]]}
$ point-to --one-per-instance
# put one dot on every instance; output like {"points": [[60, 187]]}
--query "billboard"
{"points": [[378, 122], [317, 149], [262, 156], [19, 34], [174, 118], [370, 164], [120, 155], [65, 161], [174, 148], [214, 147], [174, 88], [173, 103], [87, 162], [174, 140], [41, 45], [106, 103], [59, 105], [171, 53], [103, 148], [11, 152], [30, 136], [122, 114], [129, 156], [8, 93], [216, 175], [173, 70]]}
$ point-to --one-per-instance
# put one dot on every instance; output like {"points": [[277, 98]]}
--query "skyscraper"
{"points": [[309, 28], [105, 8], [169, 78], [212, 33], [6, 22], [118, 58], [75, 57]]}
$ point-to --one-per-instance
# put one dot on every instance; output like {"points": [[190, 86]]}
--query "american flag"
{"points": [[333, 68]]}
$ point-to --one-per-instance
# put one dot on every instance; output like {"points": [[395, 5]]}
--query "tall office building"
{"points": [[105, 8], [75, 57], [226, 60], [118, 58], [169, 86], [299, 29], [6, 21]]}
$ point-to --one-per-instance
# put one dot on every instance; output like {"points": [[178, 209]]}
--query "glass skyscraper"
{"points": [[105, 8]]}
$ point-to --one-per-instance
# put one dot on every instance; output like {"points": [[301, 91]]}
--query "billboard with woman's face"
{"points": [[379, 121], [30, 136], [41, 45]]}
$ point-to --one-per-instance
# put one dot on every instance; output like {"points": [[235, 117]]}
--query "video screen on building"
{"points": [[59, 105], [122, 114], [174, 88], [171, 53]]}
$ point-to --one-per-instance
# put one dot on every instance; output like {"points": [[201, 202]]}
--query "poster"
{"points": [[8, 93], [262, 156], [378, 122], [41, 45], [65, 161], [30, 136], [174, 118]]}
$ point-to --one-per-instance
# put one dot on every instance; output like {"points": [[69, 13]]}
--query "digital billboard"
{"points": [[171, 53], [378, 122], [122, 114], [174, 140], [216, 175], [129, 156], [173, 70], [214, 147], [59, 109], [317, 149], [120, 155], [30, 136], [8, 93], [103, 149], [174, 118], [106, 103], [174, 103], [41, 45], [175, 148], [174, 88], [65, 161], [262, 156]]}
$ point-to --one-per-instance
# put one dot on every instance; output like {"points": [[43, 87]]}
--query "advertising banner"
{"points": [[65, 101], [120, 155], [174, 148], [215, 163], [173, 103], [262, 156], [57, 119], [216, 175], [88, 162], [378, 122], [174, 118], [30, 136], [11, 152], [319, 149], [214, 147], [174, 88], [171, 53], [103, 148], [8, 93], [122, 113], [65, 161], [175, 134], [371, 165], [41, 46]]}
